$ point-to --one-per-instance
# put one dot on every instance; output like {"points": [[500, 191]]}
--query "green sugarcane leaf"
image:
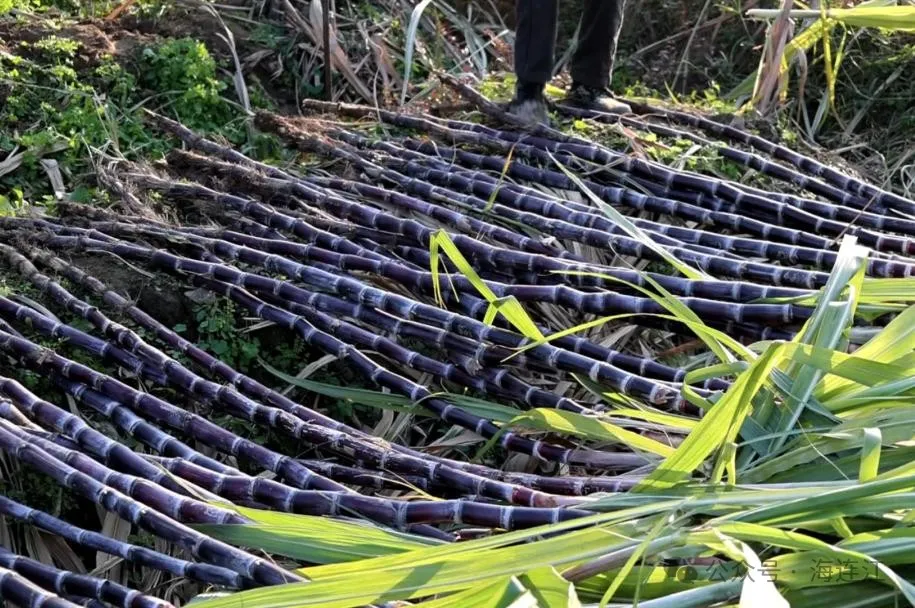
{"points": [[318, 540], [550, 589], [719, 426], [508, 307], [870, 454], [570, 423], [895, 341], [410, 45], [631, 229], [399, 403], [425, 572], [503, 593]]}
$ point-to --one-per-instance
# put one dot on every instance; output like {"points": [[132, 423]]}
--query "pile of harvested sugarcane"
{"points": [[352, 256]]}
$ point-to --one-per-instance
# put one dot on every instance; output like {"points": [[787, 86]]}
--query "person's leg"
{"points": [[592, 63], [535, 43]]}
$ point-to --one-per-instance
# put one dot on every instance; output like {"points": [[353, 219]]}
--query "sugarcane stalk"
{"points": [[712, 186], [442, 196], [446, 159], [160, 479], [180, 376], [203, 429], [161, 525], [569, 220], [477, 250], [63, 582], [349, 288], [214, 393], [320, 279], [256, 250], [867, 195], [163, 412], [722, 266], [142, 556], [461, 345], [697, 206], [842, 196], [149, 492], [50, 416], [397, 514], [447, 473], [759, 215], [673, 284], [23, 592], [468, 304], [748, 159]]}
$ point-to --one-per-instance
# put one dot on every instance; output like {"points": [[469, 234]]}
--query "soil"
{"points": [[161, 298]]}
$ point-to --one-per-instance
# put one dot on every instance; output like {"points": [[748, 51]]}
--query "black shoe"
{"points": [[596, 99], [529, 105]]}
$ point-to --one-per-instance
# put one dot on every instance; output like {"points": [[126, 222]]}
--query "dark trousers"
{"points": [[535, 41]]}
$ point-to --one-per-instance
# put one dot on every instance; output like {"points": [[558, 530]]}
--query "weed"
{"points": [[219, 333], [185, 71]]}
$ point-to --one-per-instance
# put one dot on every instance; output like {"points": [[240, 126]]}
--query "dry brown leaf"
{"points": [[113, 527]]}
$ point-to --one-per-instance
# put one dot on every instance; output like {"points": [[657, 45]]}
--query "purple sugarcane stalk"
{"points": [[706, 209], [691, 206], [841, 195], [663, 184], [444, 158], [111, 500], [868, 195], [483, 359], [185, 509], [588, 302], [279, 497], [63, 582], [61, 421], [23, 592], [151, 406], [819, 208], [394, 513], [712, 289], [149, 492], [214, 393], [348, 440], [635, 165], [202, 428], [148, 558], [775, 275], [696, 206], [598, 371], [479, 250], [411, 182], [569, 220], [255, 250]]}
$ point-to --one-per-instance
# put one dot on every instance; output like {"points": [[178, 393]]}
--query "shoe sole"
{"points": [[586, 106]]}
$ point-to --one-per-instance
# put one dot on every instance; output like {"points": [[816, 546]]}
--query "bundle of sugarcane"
{"points": [[540, 227]]}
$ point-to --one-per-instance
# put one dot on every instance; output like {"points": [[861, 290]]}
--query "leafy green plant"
{"points": [[184, 70], [825, 22], [220, 333]]}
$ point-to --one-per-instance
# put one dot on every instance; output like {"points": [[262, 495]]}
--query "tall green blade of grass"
{"points": [[631, 229], [509, 307], [319, 540], [390, 401], [410, 46], [831, 317], [718, 427]]}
